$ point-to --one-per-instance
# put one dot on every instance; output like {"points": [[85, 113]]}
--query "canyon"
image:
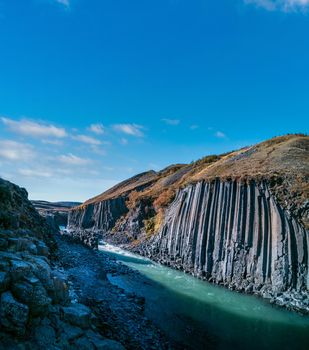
{"points": [[239, 219], [56, 213], [54, 293]]}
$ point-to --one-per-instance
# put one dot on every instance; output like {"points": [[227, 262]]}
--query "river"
{"points": [[200, 315]]}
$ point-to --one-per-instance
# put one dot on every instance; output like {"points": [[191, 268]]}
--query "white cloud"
{"points": [[129, 129], [34, 129], [71, 159], [170, 121], [87, 139], [220, 134], [15, 151], [34, 173], [281, 5], [97, 129]]}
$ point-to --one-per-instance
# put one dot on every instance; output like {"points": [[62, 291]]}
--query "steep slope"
{"points": [[35, 304], [243, 239], [17, 213], [239, 219]]}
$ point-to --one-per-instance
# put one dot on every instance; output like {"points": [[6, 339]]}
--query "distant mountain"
{"points": [[55, 212], [40, 204]]}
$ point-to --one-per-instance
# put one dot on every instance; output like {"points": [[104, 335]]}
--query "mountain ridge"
{"points": [[283, 161]]}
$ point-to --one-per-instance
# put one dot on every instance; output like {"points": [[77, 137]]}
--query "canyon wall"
{"points": [[234, 234], [99, 216], [228, 232], [87, 223]]}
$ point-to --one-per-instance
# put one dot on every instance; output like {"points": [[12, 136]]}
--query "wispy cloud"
{"points": [[220, 135], [15, 151], [71, 159], [34, 129], [35, 173], [170, 121], [123, 141], [87, 139], [129, 129], [98, 150], [281, 5], [194, 127], [97, 129], [65, 3], [52, 142]]}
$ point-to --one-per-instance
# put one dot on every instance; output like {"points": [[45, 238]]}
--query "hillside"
{"points": [[282, 161], [54, 206]]}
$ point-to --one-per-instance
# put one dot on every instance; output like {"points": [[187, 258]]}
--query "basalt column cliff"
{"points": [[235, 234], [239, 219]]}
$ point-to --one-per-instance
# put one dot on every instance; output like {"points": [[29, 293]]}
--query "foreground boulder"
{"points": [[14, 315], [77, 315]]}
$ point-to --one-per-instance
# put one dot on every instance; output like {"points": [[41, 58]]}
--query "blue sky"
{"points": [[95, 91]]}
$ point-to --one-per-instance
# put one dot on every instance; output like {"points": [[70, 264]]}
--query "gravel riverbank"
{"points": [[119, 315]]}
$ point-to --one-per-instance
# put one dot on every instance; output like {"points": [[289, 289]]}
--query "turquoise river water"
{"points": [[200, 315]]}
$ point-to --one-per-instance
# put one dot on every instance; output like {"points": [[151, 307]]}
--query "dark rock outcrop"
{"points": [[14, 315], [235, 234], [34, 296], [95, 219], [99, 216]]}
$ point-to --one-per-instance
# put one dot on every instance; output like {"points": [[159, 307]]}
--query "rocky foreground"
{"points": [[69, 303], [54, 293], [116, 313]]}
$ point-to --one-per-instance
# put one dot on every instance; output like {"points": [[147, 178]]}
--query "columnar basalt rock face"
{"points": [[234, 234], [98, 216], [87, 223]]}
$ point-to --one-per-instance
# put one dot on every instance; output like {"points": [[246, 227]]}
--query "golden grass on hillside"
{"points": [[286, 156]]}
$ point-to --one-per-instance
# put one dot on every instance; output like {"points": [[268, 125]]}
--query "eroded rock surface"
{"points": [[35, 297]]}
